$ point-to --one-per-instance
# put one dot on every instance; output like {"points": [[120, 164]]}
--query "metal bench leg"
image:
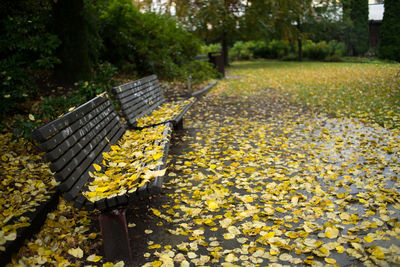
{"points": [[115, 235], [179, 125]]}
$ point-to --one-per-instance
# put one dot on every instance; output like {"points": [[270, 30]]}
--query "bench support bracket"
{"points": [[179, 125], [115, 235]]}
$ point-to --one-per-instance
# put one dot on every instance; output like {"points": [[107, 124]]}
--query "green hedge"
{"points": [[277, 49]]}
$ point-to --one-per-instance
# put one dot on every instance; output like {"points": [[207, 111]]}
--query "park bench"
{"points": [[102, 165], [143, 104]]}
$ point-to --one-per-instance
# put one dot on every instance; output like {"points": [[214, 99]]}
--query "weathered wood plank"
{"points": [[66, 132], [48, 130], [71, 170], [81, 137]]}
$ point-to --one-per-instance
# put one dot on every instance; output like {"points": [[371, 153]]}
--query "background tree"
{"points": [[72, 29], [390, 32], [211, 20], [356, 16]]}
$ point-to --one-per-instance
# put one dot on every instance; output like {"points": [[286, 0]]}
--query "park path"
{"points": [[257, 180]]}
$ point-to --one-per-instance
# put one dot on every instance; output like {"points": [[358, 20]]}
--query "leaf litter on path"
{"points": [[257, 179], [268, 182]]}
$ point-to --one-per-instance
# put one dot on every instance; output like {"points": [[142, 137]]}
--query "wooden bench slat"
{"points": [[79, 178], [122, 89], [137, 92], [59, 163], [81, 137], [133, 120], [136, 112], [138, 82], [63, 134], [46, 131], [134, 106], [81, 162], [178, 117], [145, 100], [86, 151]]}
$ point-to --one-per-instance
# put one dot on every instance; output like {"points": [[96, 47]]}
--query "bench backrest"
{"points": [[138, 98], [76, 140]]}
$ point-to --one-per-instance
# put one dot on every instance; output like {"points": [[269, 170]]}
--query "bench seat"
{"points": [[166, 112], [143, 104]]}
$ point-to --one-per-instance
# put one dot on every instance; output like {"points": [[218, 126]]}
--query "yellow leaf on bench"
{"points": [[97, 167], [101, 189], [76, 252], [158, 156], [152, 174]]}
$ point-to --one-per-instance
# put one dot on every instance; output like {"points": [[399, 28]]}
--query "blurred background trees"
{"points": [[81, 44]]}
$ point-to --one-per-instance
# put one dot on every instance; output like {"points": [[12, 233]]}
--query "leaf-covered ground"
{"points": [[260, 177], [260, 180], [25, 184]]}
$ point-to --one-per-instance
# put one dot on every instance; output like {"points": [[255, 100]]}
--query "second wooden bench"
{"points": [[143, 104]]}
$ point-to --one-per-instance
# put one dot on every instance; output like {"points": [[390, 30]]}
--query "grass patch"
{"points": [[363, 90]]}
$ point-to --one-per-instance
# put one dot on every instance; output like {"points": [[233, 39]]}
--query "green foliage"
{"points": [[199, 71], [259, 49], [53, 106], [316, 51], [325, 24], [277, 49], [290, 57], [23, 127], [205, 49], [356, 15], [153, 43], [337, 48], [102, 82], [241, 51], [390, 32], [26, 47], [331, 51]]}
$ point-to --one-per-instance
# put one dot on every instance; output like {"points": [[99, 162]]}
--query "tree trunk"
{"points": [[300, 48], [300, 40], [225, 49], [71, 28]]}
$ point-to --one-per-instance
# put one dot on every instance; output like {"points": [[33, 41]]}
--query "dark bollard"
{"points": [[217, 58]]}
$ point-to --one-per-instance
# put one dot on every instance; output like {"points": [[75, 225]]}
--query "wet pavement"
{"points": [[256, 180]]}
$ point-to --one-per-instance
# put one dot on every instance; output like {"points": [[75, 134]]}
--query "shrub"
{"points": [[153, 43], [333, 58], [277, 49], [249, 50], [337, 48], [290, 57], [53, 106], [25, 48], [102, 82], [316, 51], [199, 71], [241, 51], [205, 49]]}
